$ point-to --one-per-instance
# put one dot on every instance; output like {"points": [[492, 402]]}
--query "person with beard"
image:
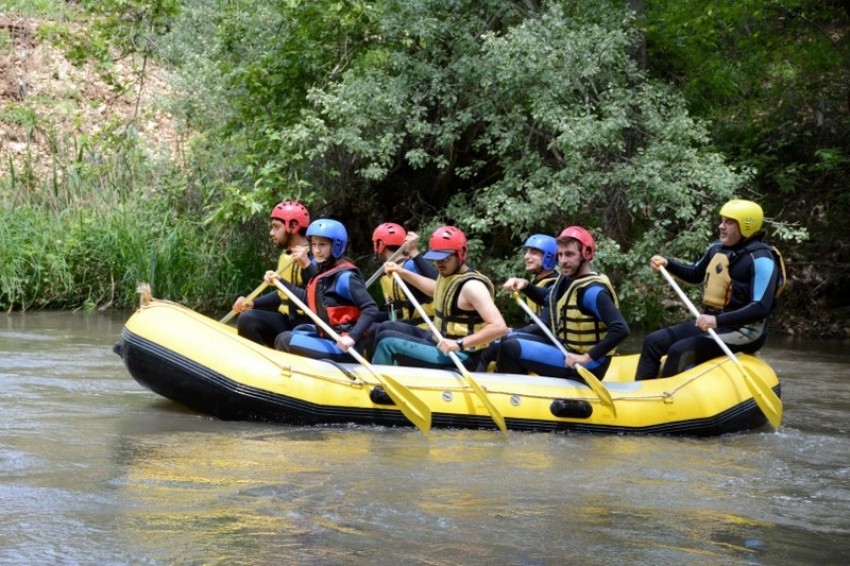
{"points": [[581, 310], [263, 318], [464, 311], [741, 274], [336, 294]]}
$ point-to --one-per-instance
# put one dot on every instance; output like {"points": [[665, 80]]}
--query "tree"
{"points": [[508, 121]]}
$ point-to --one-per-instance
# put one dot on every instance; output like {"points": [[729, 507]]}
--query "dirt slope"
{"points": [[48, 102]]}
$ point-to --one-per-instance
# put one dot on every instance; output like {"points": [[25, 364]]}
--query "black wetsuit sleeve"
{"points": [[607, 311], [268, 302], [299, 292], [425, 267], [536, 294], [692, 272], [533, 328], [368, 308]]}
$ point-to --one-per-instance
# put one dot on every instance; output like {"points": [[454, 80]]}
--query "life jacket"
{"points": [[291, 271], [717, 288], [396, 301], [541, 283], [448, 317], [579, 332], [341, 317]]}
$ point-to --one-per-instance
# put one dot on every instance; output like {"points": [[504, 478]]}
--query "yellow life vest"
{"points": [[397, 302], [448, 317], [542, 283], [290, 270], [717, 289], [579, 332]]}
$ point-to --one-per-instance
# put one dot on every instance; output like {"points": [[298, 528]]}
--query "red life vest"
{"points": [[340, 317]]}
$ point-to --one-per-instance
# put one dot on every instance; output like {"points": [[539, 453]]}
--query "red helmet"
{"points": [[445, 241], [387, 234], [293, 215], [583, 236]]}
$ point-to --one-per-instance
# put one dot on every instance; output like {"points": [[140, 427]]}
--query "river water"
{"points": [[95, 469]]}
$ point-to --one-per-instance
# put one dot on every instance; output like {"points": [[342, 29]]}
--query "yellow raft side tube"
{"points": [[197, 361]]}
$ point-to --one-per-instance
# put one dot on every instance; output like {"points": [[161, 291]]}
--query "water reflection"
{"points": [[95, 469]]}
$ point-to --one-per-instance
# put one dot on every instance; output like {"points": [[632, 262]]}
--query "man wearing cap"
{"points": [[464, 311]]}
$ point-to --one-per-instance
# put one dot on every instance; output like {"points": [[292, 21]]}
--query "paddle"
{"points": [[482, 395], [768, 401], [287, 239], [250, 297], [413, 408], [395, 255], [585, 374]]}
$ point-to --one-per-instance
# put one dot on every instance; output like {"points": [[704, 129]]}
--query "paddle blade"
{"points": [[491, 408], [410, 405], [597, 387], [767, 400]]}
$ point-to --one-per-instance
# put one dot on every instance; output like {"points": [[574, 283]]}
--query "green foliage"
{"points": [[35, 8], [524, 123], [504, 117], [109, 217], [245, 69], [772, 78]]}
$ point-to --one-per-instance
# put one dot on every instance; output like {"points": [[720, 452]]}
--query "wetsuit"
{"points": [[273, 313], [583, 314], [339, 297], [742, 279]]}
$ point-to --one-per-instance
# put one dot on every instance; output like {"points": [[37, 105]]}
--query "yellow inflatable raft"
{"points": [[198, 362]]}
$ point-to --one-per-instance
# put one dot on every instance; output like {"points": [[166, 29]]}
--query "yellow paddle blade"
{"points": [[410, 405], [597, 387], [767, 400]]}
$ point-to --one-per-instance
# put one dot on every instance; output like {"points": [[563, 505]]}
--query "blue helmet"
{"points": [[547, 245], [333, 231]]}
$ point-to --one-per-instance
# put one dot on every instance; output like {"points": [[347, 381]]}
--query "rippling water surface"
{"points": [[94, 469]]}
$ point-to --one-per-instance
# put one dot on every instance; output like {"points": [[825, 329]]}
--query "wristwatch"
{"points": [[459, 343]]}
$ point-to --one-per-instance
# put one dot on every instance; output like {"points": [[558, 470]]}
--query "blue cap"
{"points": [[438, 255]]}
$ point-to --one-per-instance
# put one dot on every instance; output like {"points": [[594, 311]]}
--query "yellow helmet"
{"points": [[749, 215]]}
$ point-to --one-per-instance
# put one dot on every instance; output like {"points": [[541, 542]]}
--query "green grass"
{"points": [[35, 8], [107, 217]]}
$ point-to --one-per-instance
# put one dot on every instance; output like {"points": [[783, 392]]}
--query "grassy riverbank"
{"points": [[89, 247], [94, 197]]}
